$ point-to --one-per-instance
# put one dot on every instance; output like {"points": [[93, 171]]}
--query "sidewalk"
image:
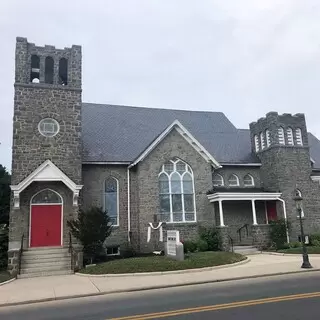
{"points": [[70, 286]]}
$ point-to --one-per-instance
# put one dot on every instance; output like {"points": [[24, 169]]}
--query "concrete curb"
{"points": [[101, 293], [6, 282], [290, 254], [163, 273]]}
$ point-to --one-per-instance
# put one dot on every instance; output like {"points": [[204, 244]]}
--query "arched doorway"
{"points": [[46, 219]]}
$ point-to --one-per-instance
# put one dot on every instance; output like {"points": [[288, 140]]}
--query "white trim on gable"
{"points": [[47, 171], [187, 136]]}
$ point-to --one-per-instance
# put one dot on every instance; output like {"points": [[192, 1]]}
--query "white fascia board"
{"points": [[243, 196], [125, 163], [187, 136], [242, 164]]}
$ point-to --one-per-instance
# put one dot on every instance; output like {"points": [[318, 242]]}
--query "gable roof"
{"points": [[112, 133]]}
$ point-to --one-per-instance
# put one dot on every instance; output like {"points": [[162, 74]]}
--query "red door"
{"points": [[272, 210], [45, 225]]}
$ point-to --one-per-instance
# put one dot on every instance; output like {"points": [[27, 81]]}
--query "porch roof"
{"points": [[220, 194]]}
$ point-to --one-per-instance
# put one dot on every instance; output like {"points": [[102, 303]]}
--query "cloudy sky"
{"points": [[242, 57]]}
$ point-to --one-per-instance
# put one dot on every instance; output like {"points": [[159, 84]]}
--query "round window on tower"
{"points": [[48, 127]]}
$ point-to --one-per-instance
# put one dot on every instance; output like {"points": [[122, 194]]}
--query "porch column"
{"points": [[254, 212], [266, 211], [221, 214]]}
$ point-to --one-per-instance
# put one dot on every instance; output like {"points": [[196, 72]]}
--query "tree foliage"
{"points": [[278, 232], [91, 228]]}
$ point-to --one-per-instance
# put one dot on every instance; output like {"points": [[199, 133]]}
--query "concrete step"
{"points": [[245, 250], [44, 274], [42, 257], [46, 268], [45, 263], [44, 251]]}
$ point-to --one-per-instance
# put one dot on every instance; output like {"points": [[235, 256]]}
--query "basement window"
{"points": [[113, 251]]}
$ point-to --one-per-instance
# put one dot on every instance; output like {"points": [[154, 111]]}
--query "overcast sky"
{"points": [[242, 57]]}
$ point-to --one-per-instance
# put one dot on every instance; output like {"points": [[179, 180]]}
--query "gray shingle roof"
{"points": [[114, 133]]}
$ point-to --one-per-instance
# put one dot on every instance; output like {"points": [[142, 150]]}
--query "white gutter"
{"points": [[129, 208], [285, 216], [242, 164]]}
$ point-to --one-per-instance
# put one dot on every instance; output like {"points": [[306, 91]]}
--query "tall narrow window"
{"points": [[299, 137], [176, 192], [268, 138], [48, 70], [290, 136], [262, 140], [281, 136], [256, 143], [111, 200], [233, 181], [248, 180], [63, 71], [217, 180], [35, 69]]}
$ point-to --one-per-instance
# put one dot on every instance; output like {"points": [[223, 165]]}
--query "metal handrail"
{"points": [[71, 251], [231, 241], [239, 230], [20, 254]]}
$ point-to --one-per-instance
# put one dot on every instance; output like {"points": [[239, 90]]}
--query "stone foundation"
{"points": [[225, 240], [13, 262], [261, 235]]}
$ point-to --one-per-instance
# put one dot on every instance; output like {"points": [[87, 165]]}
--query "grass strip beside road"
{"points": [[5, 276], [311, 250], [236, 304], [161, 263]]}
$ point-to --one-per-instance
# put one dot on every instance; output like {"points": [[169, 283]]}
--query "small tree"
{"points": [[91, 228]]}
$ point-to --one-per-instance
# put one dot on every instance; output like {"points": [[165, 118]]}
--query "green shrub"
{"points": [[278, 232], [3, 246], [314, 237], [295, 244], [189, 246], [202, 245], [286, 246], [316, 243], [212, 237]]}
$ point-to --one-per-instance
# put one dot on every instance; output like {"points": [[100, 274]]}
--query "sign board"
{"points": [[173, 238]]}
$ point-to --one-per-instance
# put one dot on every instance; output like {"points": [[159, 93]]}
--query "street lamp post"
{"points": [[306, 263]]}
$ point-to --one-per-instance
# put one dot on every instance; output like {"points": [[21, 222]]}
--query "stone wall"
{"points": [[173, 146]]}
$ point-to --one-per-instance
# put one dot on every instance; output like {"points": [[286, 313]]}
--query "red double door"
{"points": [[46, 225]]}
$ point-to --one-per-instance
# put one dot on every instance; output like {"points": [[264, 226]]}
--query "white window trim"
{"points": [[256, 143], [104, 199], [233, 185], [262, 140], [252, 180], [182, 192], [299, 140], [113, 254], [222, 180], [51, 119], [281, 137], [268, 138], [290, 139]]}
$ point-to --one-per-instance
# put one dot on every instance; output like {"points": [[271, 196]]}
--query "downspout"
{"points": [[285, 217], [129, 208]]}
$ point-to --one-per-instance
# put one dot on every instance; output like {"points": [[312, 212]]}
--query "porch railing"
{"points": [[230, 242], [245, 226], [20, 254]]}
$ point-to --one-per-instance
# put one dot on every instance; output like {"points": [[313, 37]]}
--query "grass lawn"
{"points": [[161, 263], [314, 250], [4, 276]]}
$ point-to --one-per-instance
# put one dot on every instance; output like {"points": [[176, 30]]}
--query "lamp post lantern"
{"points": [[298, 201]]}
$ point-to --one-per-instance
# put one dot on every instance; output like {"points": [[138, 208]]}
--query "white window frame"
{"points": [[268, 138], [263, 144], [221, 179], [104, 198], [182, 191], [237, 179], [113, 254], [290, 136], [256, 143], [281, 136], [48, 134], [299, 141], [251, 178]]}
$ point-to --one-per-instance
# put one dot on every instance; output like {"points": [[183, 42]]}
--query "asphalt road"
{"points": [[225, 300]]}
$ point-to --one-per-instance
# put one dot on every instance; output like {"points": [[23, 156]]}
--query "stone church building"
{"points": [[143, 165]]}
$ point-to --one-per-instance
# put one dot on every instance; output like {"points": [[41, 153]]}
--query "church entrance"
{"points": [[46, 219]]}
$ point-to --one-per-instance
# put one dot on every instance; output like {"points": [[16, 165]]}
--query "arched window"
{"points": [[111, 199], [256, 143], [35, 69], [63, 71], [268, 138], [217, 180], [48, 70], [46, 196], [248, 180], [290, 136], [281, 136], [233, 181], [299, 137], [176, 192], [262, 140]]}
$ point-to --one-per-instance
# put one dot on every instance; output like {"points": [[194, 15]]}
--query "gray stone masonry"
{"points": [[225, 240], [173, 146], [13, 262], [93, 193], [261, 236]]}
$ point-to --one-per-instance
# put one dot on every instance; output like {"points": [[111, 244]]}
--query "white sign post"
{"points": [[174, 246]]}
